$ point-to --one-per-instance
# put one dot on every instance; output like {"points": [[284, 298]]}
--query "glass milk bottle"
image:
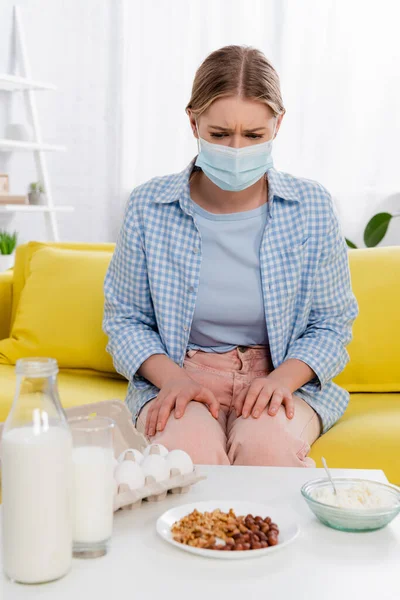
{"points": [[36, 449]]}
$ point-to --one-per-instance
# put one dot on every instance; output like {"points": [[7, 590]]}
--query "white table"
{"points": [[322, 564]]}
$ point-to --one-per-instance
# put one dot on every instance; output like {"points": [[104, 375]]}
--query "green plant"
{"points": [[8, 242], [375, 230], [36, 188]]}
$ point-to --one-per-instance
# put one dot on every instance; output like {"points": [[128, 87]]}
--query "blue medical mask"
{"points": [[234, 169]]}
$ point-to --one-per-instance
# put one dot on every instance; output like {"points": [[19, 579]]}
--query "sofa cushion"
{"points": [[76, 387], [366, 437], [375, 348], [25, 252], [60, 310]]}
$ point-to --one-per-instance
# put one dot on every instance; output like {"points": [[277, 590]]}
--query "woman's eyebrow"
{"points": [[220, 128], [254, 130], [227, 129]]}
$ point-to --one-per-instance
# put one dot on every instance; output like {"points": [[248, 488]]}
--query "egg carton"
{"points": [[125, 436], [154, 491]]}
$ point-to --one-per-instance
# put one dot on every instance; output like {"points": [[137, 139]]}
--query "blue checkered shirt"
{"points": [[152, 282]]}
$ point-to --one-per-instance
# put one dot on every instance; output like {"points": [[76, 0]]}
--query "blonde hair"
{"points": [[236, 71]]}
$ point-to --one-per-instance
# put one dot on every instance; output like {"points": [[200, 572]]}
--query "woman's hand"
{"points": [[176, 394], [259, 394]]}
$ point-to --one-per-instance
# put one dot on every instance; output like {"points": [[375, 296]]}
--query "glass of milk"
{"points": [[93, 485], [36, 450]]}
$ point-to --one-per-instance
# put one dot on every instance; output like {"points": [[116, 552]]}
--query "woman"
{"points": [[228, 299]]}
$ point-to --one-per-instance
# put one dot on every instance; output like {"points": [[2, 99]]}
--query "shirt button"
{"points": [[191, 289], [185, 328], [196, 250]]}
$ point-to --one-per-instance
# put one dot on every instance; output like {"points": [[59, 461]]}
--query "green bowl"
{"points": [[353, 519]]}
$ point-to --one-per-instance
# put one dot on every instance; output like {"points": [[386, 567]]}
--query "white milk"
{"points": [[93, 494], [36, 482]]}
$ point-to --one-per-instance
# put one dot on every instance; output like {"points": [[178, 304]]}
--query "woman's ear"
{"points": [[278, 123], [192, 120]]}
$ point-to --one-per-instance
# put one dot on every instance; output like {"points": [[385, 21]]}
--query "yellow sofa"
{"points": [[51, 305]]}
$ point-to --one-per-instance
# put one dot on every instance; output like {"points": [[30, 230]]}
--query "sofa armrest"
{"points": [[6, 281]]}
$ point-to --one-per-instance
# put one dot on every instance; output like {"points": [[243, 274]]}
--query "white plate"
{"points": [[288, 528]]}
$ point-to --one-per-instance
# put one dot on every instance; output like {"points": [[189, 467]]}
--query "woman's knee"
{"points": [[267, 442], [197, 433]]}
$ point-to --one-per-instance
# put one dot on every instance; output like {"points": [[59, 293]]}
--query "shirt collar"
{"points": [[280, 185], [178, 186]]}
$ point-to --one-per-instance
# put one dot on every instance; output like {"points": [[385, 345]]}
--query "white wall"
{"points": [[70, 44]]}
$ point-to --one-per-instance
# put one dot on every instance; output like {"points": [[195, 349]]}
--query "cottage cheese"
{"points": [[360, 496]]}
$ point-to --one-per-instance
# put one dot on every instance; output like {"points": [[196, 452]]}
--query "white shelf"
{"points": [[14, 83], [13, 145], [26, 86], [10, 208]]}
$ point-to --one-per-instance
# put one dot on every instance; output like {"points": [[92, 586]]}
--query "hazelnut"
{"points": [[238, 547], [272, 541]]}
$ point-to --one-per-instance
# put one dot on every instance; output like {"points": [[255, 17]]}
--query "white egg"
{"points": [[131, 473], [162, 450], [179, 459], [155, 466], [138, 455]]}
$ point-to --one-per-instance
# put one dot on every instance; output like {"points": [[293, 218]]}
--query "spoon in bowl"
{"points": [[329, 474]]}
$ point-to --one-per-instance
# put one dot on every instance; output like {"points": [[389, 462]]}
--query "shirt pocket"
{"points": [[293, 259]]}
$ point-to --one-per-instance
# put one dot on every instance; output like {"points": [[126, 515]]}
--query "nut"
{"points": [[272, 541], [255, 546], [238, 547], [201, 530]]}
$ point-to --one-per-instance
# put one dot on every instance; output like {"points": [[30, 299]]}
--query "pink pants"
{"points": [[274, 441]]}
